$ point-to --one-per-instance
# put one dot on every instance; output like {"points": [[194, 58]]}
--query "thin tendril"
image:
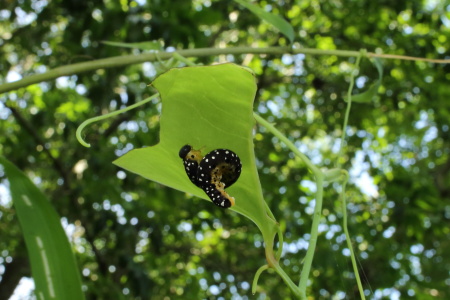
{"points": [[349, 105], [280, 243], [102, 117], [349, 242], [181, 58], [255, 279]]}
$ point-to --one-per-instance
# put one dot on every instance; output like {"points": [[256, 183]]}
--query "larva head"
{"points": [[187, 153], [184, 151]]}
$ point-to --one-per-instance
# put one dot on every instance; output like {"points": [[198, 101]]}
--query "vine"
{"points": [[125, 60], [321, 176]]}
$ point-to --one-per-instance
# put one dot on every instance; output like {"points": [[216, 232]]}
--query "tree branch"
{"points": [[39, 141], [125, 60]]}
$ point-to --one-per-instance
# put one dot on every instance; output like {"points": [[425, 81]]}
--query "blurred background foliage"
{"points": [[136, 239]]}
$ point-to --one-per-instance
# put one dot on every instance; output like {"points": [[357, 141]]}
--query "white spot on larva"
{"points": [[226, 152], [213, 157], [202, 174]]}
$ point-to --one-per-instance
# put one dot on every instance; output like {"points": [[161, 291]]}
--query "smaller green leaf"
{"points": [[154, 45], [53, 265], [279, 23], [372, 91]]}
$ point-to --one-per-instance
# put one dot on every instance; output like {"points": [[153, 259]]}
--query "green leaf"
{"points": [[209, 108], [53, 265], [279, 23], [372, 91], [154, 45]]}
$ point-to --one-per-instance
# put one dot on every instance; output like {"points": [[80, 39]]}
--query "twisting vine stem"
{"points": [[346, 176], [126, 60], [349, 106], [319, 176], [347, 237]]}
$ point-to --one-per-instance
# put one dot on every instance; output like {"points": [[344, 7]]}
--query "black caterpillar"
{"points": [[219, 168]]}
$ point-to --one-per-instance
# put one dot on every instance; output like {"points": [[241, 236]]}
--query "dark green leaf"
{"points": [[53, 266], [369, 95]]}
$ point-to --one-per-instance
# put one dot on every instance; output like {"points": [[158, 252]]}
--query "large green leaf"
{"points": [[209, 108], [53, 265]]}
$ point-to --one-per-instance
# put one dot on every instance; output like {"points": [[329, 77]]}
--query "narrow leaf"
{"points": [[372, 91], [53, 265], [278, 22]]}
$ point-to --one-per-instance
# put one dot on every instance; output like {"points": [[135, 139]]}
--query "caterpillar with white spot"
{"points": [[212, 173]]}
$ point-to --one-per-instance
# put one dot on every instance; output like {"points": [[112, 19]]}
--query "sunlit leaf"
{"points": [[209, 108]]}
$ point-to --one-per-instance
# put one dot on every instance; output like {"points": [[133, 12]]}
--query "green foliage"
{"points": [[208, 115], [372, 91], [276, 21], [52, 262], [132, 242]]}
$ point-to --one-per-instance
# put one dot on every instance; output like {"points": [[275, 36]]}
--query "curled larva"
{"points": [[214, 172]]}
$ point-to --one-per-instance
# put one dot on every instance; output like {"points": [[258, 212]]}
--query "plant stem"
{"points": [[317, 209], [288, 143], [256, 278], [273, 263], [313, 240], [344, 203], [347, 238], [347, 112], [125, 60], [288, 281]]}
